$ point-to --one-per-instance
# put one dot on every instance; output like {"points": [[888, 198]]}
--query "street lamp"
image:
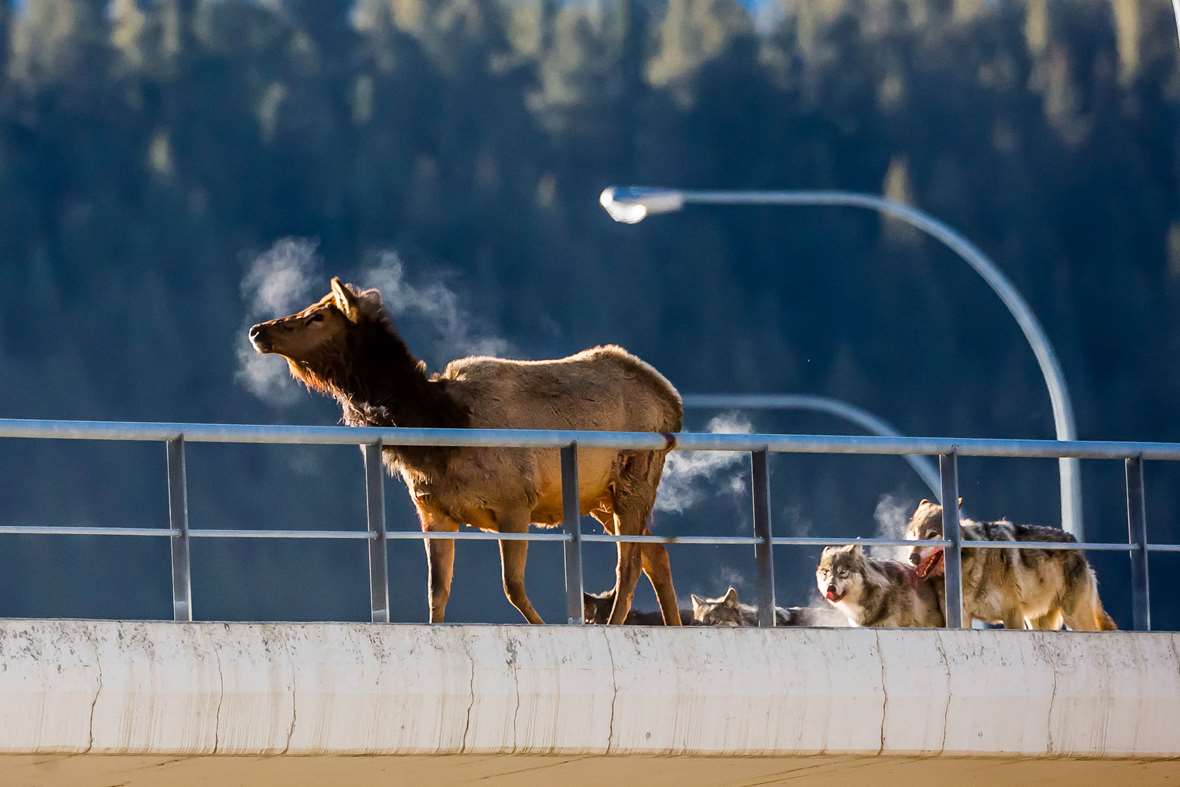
{"points": [[818, 404], [632, 205]]}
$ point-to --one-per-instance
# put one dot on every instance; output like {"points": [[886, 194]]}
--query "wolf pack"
{"points": [[1017, 588]]}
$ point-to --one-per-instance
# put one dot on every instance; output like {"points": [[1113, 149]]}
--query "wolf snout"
{"points": [[832, 594]]}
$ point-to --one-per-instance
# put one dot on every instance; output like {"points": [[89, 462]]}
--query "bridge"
{"points": [[182, 702], [108, 702]]}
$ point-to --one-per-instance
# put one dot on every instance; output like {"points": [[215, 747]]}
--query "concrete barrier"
{"points": [[334, 689]]}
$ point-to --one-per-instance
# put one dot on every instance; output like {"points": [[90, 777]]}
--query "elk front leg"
{"points": [[440, 559], [513, 556]]}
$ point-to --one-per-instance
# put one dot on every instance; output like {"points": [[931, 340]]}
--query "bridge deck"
{"points": [[732, 704]]}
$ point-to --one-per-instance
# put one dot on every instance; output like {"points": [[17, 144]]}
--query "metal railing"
{"points": [[175, 435]]}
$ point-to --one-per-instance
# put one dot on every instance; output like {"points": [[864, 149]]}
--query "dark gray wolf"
{"points": [[728, 610], [597, 607]]}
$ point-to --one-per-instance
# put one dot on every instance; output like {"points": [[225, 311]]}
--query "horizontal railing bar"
{"points": [[360, 535], [1163, 547], [713, 540], [1060, 546], [541, 438], [320, 535], [896, 542], [49, 530], [818, 541], [410, 535]]}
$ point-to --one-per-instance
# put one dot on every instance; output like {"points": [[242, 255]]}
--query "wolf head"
{"points": [[840, 575], [926, 525], [313, 339], [596, 607], [725, 610]]}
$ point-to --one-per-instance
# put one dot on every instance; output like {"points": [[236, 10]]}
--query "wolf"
{"points": [[1038, 587], [728, 610], [725, 610], [874, 592]]}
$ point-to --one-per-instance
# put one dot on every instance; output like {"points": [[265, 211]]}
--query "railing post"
{"points": [[952, 554], [182, 587], [1137, 535], [375, 516], [764, 549], [572, 525]]}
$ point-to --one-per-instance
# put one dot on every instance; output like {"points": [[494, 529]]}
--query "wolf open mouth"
{"points": [[931, 564], [832, 595]]}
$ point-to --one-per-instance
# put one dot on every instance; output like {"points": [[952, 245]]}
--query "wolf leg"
{"points": [[1050, 621], [1013, 620]]}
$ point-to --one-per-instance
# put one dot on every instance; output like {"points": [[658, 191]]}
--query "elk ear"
{"points": [[346, 300]]}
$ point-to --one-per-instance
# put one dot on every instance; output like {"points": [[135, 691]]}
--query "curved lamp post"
{"points": [[631, 205], [819, 404]]}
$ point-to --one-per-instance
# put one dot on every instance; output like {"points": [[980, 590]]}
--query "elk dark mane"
{"points": [[377, 380]]}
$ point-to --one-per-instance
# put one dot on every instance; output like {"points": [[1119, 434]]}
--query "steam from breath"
{"points": [[686, 473], [727, 576], [290, 274], [433, 303], [892, 514], [278, 281]]}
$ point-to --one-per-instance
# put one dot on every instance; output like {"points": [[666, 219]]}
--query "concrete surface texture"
{"points": [[166, 691]]}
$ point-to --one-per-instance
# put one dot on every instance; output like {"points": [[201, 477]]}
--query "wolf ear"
{"points": [[697, 601], [853, 549], [345, 299], [923, 502], [960, 502], [730, 599]]}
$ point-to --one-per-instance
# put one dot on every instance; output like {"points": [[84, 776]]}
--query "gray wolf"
{"points": [[874, 592], [1038, 587]]}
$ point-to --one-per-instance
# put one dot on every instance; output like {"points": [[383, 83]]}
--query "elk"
{"points": [[345, 346]]}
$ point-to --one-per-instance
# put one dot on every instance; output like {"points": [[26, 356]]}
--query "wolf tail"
{"points": [[1083, 608]]}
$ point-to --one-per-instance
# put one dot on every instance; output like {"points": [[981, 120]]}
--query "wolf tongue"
{"points": [[928, 563]]}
